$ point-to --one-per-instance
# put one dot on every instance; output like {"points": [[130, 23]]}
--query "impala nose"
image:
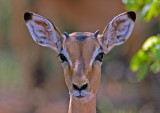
{"points": [[83, 87]]}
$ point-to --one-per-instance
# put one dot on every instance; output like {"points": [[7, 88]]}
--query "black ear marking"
{"points": [[27, 16], [132, 15]]}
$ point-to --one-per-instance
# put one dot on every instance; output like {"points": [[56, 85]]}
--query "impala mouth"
{"points": [[81, 94], [84, 99]]}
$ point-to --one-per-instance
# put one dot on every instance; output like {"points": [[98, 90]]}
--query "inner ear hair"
{"points": [[118, 30], [43, 31]]}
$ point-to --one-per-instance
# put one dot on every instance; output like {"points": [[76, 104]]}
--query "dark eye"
{"points": [[99, 57], [62, 57]]}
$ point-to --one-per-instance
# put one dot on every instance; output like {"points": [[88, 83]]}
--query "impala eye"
{"points": [[62, 57], [99, 57]]}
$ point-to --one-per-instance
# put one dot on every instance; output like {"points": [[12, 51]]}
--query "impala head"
{"points": [[81, 52]]}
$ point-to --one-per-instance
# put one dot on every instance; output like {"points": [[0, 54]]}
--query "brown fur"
{"points": [[81, 53], [44, 24]]}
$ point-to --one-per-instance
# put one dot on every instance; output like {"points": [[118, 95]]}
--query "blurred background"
{"points": [[31, 76]]}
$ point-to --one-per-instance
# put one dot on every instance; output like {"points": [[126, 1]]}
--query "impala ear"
{"points": [[118, 30], [43, 31]]}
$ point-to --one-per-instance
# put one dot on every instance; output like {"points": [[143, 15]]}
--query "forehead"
{"points": [[81, 44]]}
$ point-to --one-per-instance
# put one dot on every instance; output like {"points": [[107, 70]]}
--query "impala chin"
{"points": [[82, 95]]}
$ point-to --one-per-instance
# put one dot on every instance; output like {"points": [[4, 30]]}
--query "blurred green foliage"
{"points": [[10, 73], [148, 8], [5, 18], [148, 57]]}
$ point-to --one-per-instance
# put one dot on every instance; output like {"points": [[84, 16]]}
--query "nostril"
{"points": [[84, 86], [76, 87]]}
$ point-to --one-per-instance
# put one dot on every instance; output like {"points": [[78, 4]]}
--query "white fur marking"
{"points": [[64, 51], [95, 53]]}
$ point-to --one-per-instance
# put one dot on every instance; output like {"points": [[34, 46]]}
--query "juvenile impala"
{"points": [[81, 54]]}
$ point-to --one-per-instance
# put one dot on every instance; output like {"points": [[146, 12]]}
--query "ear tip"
{"points": [[132, 15], [27, 16]]}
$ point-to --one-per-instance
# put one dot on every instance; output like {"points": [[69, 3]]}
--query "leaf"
{"points": [[149, 42], [155, 67], [153, 10], [142, 72], [134, 64]]}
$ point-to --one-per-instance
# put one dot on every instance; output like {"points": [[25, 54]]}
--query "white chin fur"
{"points": [[87, 96]]}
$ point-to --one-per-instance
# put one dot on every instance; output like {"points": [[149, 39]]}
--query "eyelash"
{"points": [[99, 57], [62, 57]]}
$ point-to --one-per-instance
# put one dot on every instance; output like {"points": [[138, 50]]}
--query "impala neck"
{"points": [[77, 106]]}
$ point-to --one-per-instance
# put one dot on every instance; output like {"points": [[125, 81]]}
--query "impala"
{"points": [[81, 54]]}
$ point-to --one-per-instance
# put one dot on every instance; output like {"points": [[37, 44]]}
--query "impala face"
{"points": [[81, 52], [81, 59]]}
